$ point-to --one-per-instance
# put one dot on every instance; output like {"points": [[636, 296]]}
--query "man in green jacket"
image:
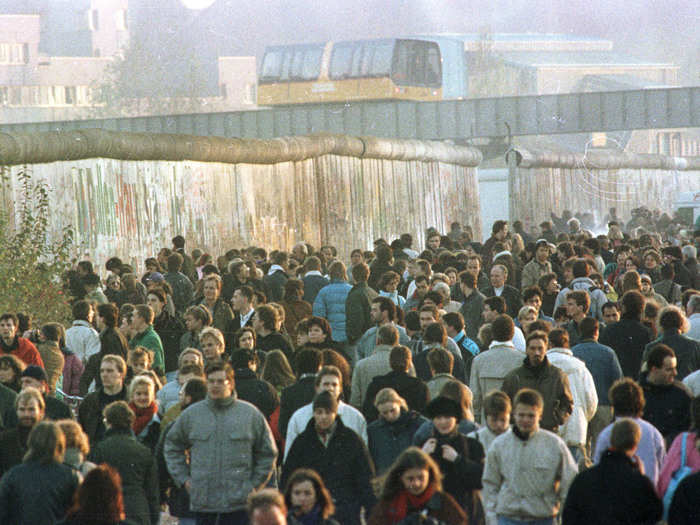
{"points": [[357, 307], [146, 336], [540, 375]]}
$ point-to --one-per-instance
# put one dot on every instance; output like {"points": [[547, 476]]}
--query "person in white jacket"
{"points": [[582, 390], [528, 470]]}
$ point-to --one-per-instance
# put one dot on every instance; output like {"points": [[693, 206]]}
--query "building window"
{"points": [[120, 19], [70, 94], [222, 91], [250, 94], [12, 53]]}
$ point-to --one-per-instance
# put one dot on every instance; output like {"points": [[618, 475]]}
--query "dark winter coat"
{"points": [[256, 391], [293, 398], [37, 494], [667, 407], [387, 440], [687, 351], [685, 506], [551, 382], [138, 470], [627, 338], [274, 285], [613, 492], [313, 285], [357, 312], [413, 390], [170, 330], [344, 464], [461, 477]]}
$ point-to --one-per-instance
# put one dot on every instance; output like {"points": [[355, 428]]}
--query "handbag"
{"points": [[683, 471]]}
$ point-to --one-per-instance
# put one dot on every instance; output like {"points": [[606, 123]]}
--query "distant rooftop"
{"points": [[577, 59], [514, 37]]}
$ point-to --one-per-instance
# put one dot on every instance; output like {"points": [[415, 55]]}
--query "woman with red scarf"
{"points": [[412, 491], [142, 400]]}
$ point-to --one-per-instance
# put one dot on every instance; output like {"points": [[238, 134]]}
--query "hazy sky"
{"points": [[640, 26]]}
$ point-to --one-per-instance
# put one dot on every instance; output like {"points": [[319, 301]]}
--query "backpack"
{"points": [[683, 471]]}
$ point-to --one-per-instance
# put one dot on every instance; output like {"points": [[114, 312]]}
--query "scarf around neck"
{"points": [[405, 502], [143, 416]]}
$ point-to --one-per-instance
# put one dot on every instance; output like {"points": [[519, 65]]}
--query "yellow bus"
{"points": [[353, 70]]}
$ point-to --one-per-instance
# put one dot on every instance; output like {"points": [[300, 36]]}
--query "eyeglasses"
{"points": [[218, 381]]}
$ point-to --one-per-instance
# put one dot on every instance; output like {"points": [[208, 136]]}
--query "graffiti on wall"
{"points": [[134, 208]]}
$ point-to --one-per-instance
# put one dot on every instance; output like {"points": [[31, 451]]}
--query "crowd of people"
{"points": [[536, 378]]}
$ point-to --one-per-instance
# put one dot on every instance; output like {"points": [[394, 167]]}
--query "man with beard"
{"points": [[30, 408]]}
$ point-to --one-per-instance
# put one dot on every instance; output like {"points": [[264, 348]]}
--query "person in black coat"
{"points": [[628, 336], [685, 505], [339, 455], [34, 376], [308, 363], [170, 329], [461, 459], [276, 277], [614, 492], [112, 342], [248, 387], [134, 462], [393, 432], [413, 390], [687, 350], [667, 400], [40, 490], [511, 295]]}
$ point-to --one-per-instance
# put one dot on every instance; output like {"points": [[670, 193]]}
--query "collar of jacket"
{"points": [[558, 350], [244, 373], [539, 369], [219, 404], [119, 432]]}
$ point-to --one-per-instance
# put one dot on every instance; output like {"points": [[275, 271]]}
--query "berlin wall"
{"points": [[128, 194], [542, 182]]}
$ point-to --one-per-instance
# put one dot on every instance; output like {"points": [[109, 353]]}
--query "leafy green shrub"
{"points": [[32, 261]]}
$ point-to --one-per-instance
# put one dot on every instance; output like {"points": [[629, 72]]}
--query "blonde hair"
{"points": [[389, 395], [141, 380], [210, 331]]}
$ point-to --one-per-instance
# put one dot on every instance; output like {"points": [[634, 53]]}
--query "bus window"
{"points": [[356, 70], [284, 68], [381, 59], [417, 63], [341, 61], [297, 64], [311, 68], [433, 71], [271, 66], [400, 72]]}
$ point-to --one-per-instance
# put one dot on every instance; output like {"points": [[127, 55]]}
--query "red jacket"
{"points": [[26, 351]]}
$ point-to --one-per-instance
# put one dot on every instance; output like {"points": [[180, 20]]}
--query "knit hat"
{"points": [[326, 401], [35, 372], [155, 277], [444, 406]]}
